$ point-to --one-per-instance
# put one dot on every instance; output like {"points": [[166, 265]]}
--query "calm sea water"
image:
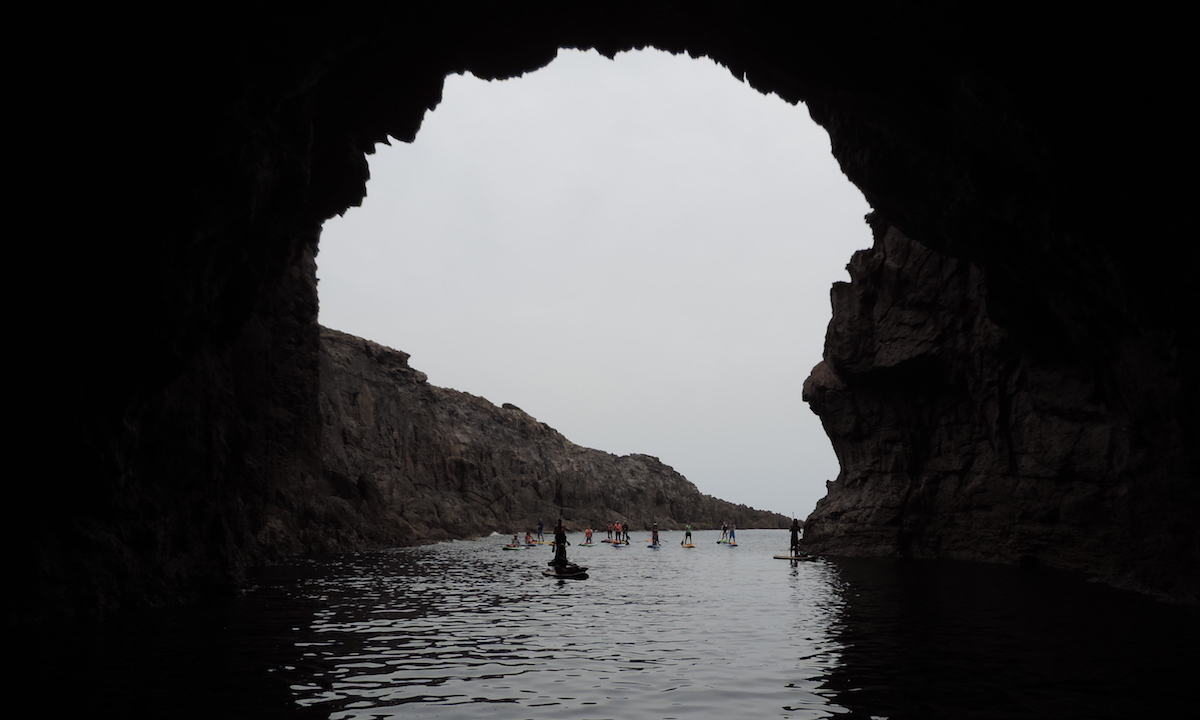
{"points": [[468, 630]]}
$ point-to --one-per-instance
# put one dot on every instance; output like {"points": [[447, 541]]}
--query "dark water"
{"points": [[467, 630]]}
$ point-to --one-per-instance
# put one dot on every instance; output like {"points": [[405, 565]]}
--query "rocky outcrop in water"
{"points": [[411, 462], [956, 441]]}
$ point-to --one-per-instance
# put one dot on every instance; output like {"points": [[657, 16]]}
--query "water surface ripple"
{"points": [[469, 630]]}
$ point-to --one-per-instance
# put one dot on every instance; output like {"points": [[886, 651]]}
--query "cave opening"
{"points": [[636, 251]]}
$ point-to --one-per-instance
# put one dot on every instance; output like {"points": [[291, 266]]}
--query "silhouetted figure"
{"points": [[795, 546], [560, 547]]}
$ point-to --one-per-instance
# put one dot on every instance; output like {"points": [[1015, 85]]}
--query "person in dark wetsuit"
{"points": [[560, 547], [654, 535], [795, 546], [540, 526]]}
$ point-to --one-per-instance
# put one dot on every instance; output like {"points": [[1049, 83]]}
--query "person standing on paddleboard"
{"points": [[724, 531], [732, 535], [654, 534], [540, 526], [687, 535], [560, 547], [588, 536], [795, 546]]}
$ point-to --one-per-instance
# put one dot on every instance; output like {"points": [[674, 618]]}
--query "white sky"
{"points": [[637, 252]]}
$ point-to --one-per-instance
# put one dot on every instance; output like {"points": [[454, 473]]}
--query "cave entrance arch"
{"points": [[638, 251]]}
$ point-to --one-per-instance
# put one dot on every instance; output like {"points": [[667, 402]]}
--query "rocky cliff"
{"points": [[409, 462], [955, 440]]}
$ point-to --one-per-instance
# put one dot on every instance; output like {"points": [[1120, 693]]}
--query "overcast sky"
{"points": [[637, 252]]}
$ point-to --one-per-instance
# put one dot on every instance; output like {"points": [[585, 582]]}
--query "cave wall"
{"points": [[1044, 151], [955, 441]]}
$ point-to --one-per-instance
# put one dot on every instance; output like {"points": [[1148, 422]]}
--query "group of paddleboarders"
{"points": [[618, 533]]}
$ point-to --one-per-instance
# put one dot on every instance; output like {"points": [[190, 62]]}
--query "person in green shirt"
{"points": [[687, 535]]}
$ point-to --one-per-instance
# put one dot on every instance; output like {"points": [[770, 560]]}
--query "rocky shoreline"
{"points": [[417, 463]]}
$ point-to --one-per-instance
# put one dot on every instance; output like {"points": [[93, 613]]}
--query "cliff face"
{"points": [[956, 441], [413, 462]]}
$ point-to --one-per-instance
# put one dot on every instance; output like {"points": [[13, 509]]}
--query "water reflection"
{"points": [[956, 640], [465, 630]]}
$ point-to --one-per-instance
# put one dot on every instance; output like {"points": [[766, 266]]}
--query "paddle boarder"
{"points": [[687, 535], [654, 534], [795, 530], [560, 547], [540, 526], [724, 532], [588, 536], [732, 535]]}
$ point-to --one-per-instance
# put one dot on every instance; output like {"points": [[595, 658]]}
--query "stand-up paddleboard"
{"points": [[654, 546], [575, 572], [689, 545], [795, 557], [513, 547], [731, 544]]}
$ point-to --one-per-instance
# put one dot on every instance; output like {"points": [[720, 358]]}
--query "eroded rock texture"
{"points": [[955, 441], [420, 463]]}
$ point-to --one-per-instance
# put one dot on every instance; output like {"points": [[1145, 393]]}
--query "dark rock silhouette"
{"points": [[171, 369], [411, 462], [956, 442]]}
